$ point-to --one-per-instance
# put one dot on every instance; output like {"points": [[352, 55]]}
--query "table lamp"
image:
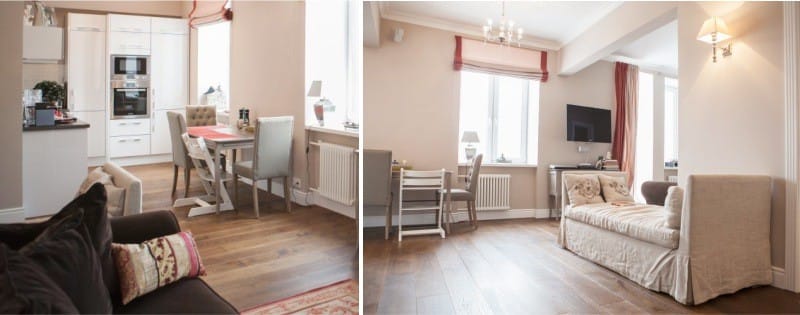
{"points": [[321, 106], [470, 138]]}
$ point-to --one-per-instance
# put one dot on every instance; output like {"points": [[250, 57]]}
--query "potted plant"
{"points": [[52, 92]]}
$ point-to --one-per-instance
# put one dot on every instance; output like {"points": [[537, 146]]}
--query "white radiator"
{"points": [[337, 173], [493, 192]]}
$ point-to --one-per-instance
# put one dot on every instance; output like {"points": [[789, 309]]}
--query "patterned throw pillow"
{"points": [[155, 263], [615, 189], [582, 189]]}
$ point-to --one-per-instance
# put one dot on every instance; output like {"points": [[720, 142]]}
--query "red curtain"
{"points": [[618, 144]]}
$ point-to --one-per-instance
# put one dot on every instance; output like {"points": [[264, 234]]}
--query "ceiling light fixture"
{"points": [[504, 33]]}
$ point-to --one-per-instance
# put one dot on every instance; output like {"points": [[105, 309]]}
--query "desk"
{"points": [[448, 202], [221, 138]]}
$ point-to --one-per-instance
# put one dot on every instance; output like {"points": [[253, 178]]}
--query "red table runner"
{"points": [[212, 132]]}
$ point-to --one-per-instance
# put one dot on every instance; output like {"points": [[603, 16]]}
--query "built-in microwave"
{"points": [[130, 67], [130, 99]]}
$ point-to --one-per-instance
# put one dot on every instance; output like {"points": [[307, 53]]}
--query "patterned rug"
{"points": [[338, 298]]}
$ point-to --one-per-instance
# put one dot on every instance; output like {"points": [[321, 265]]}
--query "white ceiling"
{"points": [[657, 50], [548, 24]]}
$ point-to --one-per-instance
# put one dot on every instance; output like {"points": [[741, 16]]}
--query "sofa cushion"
{"points": [[615, 188], [26, 289], [642, 222], [673, 205], [65, 253], [143, 268], [174, 299], [582, 189]]}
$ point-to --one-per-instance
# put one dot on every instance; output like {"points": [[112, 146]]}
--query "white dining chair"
{"points": [[414, 181], [272, 158], [204, 165]]}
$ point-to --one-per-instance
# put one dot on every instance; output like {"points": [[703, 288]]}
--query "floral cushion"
{"points": [[582, 189], [155, 263], [615, 189]]}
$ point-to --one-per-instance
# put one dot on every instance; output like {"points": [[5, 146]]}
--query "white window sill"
{"points": [[500, 165], [338, 130]]}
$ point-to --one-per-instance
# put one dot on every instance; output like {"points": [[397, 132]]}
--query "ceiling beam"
{"points": [[623, 26]]}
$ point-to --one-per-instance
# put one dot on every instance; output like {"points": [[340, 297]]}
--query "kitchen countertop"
{"points": [[78, 124]]}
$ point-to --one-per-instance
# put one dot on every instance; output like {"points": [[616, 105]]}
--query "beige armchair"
{"points": [[201, 115]]}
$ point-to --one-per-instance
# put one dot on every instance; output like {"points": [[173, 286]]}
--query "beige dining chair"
{"points": [[470, 191], [272, 158], [201, 115], [180, 158], [378, 183]]}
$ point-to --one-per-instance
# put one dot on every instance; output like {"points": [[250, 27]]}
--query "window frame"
{"points": [[672, 87]]}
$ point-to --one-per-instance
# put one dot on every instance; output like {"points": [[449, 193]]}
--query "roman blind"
{"points": [[501, 60], [209, 11]]}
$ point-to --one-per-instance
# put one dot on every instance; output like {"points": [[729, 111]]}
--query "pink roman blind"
{"points": [[209, 11], [502, 60]]}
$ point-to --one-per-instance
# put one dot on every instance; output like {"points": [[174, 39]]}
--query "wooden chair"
{"points": [[204, 165], [378, 183], [420, 181], [272, 158], [470, 191]]}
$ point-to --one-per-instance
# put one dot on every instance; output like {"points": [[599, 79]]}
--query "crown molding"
{"points": [[668, 71], [461, 28]]}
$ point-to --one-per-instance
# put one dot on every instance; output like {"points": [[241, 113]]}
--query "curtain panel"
{"points": [[626, 88], [501, 60], [209, 11]]}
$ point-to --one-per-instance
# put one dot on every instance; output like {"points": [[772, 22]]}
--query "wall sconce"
{"points": [[714, 31]]}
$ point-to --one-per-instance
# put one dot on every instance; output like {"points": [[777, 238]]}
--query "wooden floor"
{"points": [[253, 261], [516, 267]]}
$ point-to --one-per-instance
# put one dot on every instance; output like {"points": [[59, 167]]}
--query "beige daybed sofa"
{"points": [[721, 247]]}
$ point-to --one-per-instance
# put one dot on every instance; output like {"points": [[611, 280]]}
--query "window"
{"points": [[213, 64], [670, 120], [333, 56], [504, 113], [643, 168]]}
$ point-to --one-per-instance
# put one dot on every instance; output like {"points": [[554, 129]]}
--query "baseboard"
{"points": [[304, 198], [779, 278], [461, 215], [12, 215], [141, 160]]}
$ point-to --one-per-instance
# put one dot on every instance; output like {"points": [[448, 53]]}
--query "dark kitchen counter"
{"points": [[78, 124]]}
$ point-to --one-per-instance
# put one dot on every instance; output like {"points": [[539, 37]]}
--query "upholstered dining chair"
{"points": [[201, 115], [470, 191], [378, 183], [272, 158], [180, 158]]}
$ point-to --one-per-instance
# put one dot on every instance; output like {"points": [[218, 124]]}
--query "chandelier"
{"points": [[504, 33]]}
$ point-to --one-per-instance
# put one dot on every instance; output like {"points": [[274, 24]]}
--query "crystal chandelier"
{"points": [[504, 33]]}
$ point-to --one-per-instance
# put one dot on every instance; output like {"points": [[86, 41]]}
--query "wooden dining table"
{"points": [[222, 138]]}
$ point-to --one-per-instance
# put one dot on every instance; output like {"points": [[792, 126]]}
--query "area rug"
{"points": [[338, 298]]}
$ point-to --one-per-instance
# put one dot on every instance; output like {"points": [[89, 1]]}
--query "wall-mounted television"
{"points": [[588, 124]]}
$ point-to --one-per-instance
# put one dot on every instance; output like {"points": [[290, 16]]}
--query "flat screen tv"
{"points": [[588, 124]]}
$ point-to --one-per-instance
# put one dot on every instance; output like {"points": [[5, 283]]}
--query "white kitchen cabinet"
{"points": [[96, 135], [128, 127], [124, 146], [129, 23], [42, 44], [160, 138], [86, 65], [127, 43], [170, 71], [86, 22], [169, 26]]}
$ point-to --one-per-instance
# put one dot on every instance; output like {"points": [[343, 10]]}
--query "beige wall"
{"points": [[10, 105], [267, 65], [731, 113], [411, 106]]}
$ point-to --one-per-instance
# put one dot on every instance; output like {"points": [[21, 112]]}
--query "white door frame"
{"points": [[791, 38]]}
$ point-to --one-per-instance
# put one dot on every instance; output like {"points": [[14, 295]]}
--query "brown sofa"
{"points": [[191, 295]]}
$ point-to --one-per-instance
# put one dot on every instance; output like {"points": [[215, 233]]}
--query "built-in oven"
{"points": [[130, 99], [128, 67]]}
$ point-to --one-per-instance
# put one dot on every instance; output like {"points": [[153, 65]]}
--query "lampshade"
{"points": [[316, 89], [470, 137], [713, 26]]}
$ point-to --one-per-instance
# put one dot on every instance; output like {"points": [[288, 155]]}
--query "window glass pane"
{"points": [[670, 120], [644, 135], [213, 64], [511, 114], [474, 110], [326, 57]]}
